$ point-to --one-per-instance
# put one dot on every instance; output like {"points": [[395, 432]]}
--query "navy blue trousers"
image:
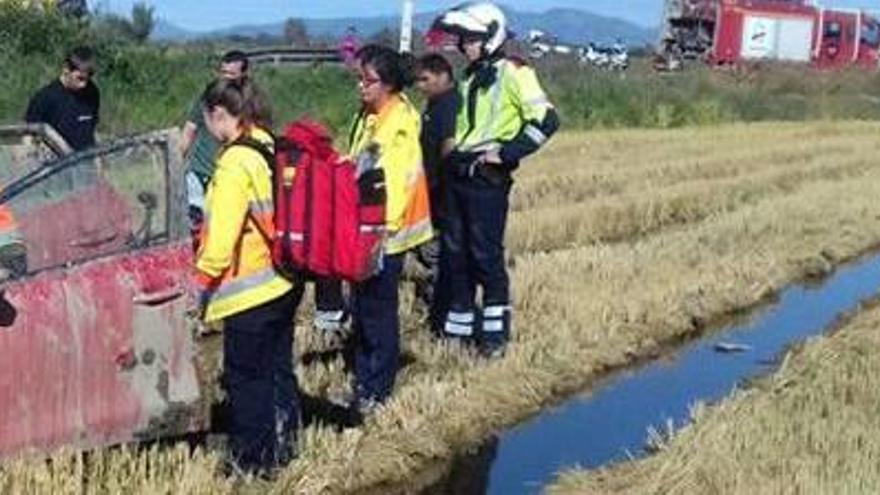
{"points": [[376, 322], [473, 243], [260, 383]]}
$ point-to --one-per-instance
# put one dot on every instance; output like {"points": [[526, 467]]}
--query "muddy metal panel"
{"points": [[95, 346], [98, 355]]}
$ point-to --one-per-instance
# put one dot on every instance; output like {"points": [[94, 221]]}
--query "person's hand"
{"points": [[492, 157], [195, 303]]}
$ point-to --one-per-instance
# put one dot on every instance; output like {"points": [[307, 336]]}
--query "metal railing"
{"points": [[294, 56]]}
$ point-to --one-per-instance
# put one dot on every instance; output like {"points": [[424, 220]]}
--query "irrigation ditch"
{"points": [[621, 415]]}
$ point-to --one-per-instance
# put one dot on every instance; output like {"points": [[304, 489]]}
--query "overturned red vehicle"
{"points": [[95, 344]]}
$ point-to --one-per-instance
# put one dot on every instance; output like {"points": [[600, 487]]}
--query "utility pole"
{"points": [[406, 26]]}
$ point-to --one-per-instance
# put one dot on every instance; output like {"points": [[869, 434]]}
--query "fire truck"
{"points": [[726, 32]]}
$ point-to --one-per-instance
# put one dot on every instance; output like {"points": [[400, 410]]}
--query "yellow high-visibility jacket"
{"points": [[234, 262], [395, 131]]}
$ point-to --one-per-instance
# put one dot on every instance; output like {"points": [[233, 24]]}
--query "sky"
{"points": [[204, 15]]}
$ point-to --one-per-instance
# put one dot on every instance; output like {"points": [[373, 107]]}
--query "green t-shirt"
{"points": [[204, 148]]}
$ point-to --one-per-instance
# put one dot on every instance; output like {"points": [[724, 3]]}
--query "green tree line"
{"points": [[146, 85]]}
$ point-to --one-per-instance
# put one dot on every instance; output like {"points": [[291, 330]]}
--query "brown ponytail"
{"points": [[242, 99]]}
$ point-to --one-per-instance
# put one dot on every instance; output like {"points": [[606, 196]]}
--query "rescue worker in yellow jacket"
{"points": [[240, 286], [387, 129], [505, 116]]}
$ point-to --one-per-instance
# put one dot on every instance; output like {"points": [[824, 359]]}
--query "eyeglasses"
{"points": [[368, 81]]}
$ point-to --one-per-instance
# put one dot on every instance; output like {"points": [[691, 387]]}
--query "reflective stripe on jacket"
{"points": [[234, 263], [395, 129], [501, 109]]}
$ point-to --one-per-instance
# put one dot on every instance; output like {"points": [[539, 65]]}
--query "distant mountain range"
{"points": [[569, 25]]}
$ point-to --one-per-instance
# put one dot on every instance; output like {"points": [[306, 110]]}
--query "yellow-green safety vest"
{"points": [[516, 97]]}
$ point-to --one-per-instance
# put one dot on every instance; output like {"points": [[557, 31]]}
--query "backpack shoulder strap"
{"points": [[259, 147], [269, 157]]}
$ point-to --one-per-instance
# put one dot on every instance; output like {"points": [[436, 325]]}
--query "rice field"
{"points": [[621, 243], [810, 428]]}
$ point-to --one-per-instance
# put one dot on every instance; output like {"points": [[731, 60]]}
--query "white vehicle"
{"points": [[615, 57], [541, 44], [538, 45]]}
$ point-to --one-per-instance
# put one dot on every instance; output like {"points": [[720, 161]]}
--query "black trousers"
{"points": [[260, 383], [328, 295]]}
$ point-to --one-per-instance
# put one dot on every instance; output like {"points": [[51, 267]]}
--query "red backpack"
{"points": [[329, 211]]}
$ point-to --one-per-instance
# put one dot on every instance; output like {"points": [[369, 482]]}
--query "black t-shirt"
{"points": [[74, 114], [438, 125]]}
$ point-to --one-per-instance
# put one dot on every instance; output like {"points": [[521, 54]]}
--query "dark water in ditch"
{"points": [[613, 422]]}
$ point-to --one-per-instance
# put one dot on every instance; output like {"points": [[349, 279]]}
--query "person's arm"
{"points": [[35, 114], [188, 137], [97, 106], [228, 205], [190, 129], [36, 109], [540, 119], [448, 121], [401, 160], [447, 147]]}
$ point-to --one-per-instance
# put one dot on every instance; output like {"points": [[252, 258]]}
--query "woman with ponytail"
{"points": [[238, 283]]}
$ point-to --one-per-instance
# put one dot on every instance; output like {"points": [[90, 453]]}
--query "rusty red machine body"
{"points": [[725, 32], [95, 344]]}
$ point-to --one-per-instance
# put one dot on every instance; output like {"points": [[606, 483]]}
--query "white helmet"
{"points": [[483, 19]]}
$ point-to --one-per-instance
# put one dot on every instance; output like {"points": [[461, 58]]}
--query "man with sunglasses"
{"points": [[70, 104]]}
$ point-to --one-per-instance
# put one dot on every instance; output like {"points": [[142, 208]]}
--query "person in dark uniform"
{"points": [[506, 117], [436, 81], [70, 104]]}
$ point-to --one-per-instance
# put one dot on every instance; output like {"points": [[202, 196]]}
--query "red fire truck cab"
{"points": [[846, 37]]}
